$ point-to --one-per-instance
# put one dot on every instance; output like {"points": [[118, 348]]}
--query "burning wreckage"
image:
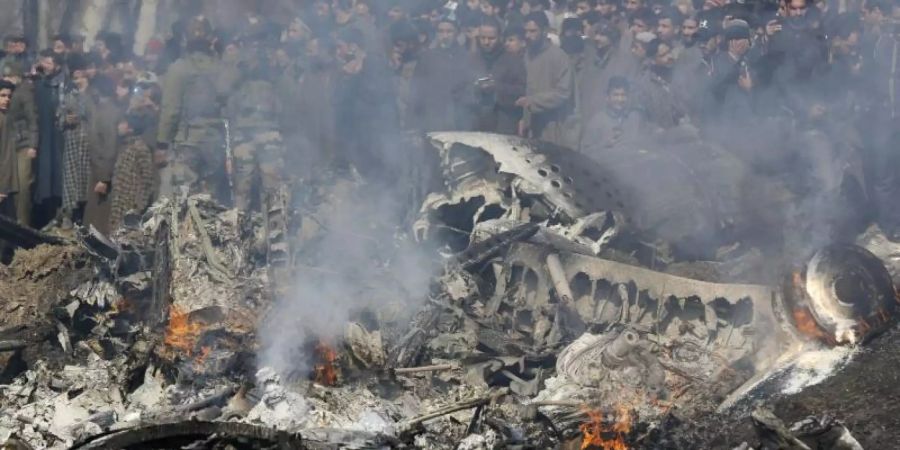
{"points": [[564, 314]]}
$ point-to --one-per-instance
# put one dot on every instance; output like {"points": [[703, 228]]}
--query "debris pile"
{"points": [[554, 316]]}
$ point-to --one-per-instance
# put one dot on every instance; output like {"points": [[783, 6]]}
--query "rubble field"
{"points": [[529, 299]]}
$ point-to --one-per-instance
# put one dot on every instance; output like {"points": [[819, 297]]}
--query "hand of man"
{"points": [[523, 128], [745, 82], [101, 188], [523, 102], [772, 27], [2, 197], [31, 152]]}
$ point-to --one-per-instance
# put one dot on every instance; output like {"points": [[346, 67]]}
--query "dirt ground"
{"points": [[864, 395]]}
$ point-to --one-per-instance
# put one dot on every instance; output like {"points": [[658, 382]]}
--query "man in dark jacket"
{"points": [[20, 138], [607, 59], [7, 166], [103, 145], [49, 174], [548, 94], [500, 82], [365, 108], [439, 82], [731, 82], [191, 131]]}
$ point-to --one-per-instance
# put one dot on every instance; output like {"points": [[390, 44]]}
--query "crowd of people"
{"points": [[86, 136]]}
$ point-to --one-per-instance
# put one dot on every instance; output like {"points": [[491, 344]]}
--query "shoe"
{"points": [[66, 223]]}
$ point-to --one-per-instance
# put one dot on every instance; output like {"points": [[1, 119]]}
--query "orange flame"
{"points": [[181, 334], [325, 373], [598, 435], [202, 354]]}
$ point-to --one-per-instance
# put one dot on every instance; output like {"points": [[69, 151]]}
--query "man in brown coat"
{"points": [[103, 138], [7, 167], [500, 82], [549, 87], [18, 141]]}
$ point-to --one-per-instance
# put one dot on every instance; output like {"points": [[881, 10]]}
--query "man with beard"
{"points": [[366, 110], [796, 45], [500, 82], [582, 7], [693, 71], [439, 82], [572, 42], [668, 25], [76, 160], [662, 106], [606, 60], [403, 60], [548, 93], [49, 162], [688, 31]]}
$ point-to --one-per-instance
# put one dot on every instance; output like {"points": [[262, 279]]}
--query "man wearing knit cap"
{"points": [[731, 81], [152, 53]]}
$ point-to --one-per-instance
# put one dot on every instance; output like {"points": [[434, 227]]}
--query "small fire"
{"points": [[202, 354], [599, 435], [181, 334], [325, 372]]}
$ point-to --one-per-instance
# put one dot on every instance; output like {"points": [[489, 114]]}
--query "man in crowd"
{"points": [[549, 88], [365, 109], [191, 131], [20, 141], [103, 148], [133, 173], [616, 124], [16, 47], [500, 82], [440, 81], [49, 90], [607, 59], [7, 162], [253, 111], [76, 163]]}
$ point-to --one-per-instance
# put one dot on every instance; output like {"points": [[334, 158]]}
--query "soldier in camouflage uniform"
{"points": [[253, 111], [191, 132]]}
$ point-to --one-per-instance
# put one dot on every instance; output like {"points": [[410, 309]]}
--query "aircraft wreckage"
{"points": [[570, 308]]}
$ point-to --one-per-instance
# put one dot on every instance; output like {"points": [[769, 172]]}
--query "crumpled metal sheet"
{"points": [[100, 293], [570, 181]]}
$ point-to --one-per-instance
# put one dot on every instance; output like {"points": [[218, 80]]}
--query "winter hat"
{"points": [[737, 29]]}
